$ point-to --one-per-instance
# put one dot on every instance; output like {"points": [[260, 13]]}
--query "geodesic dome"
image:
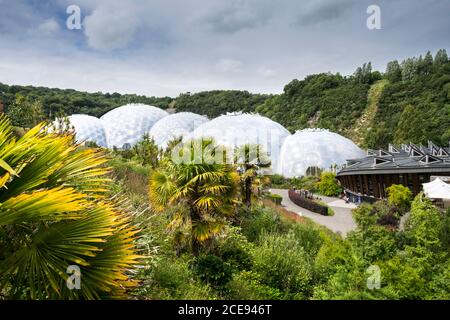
{"points": [[175, 126], [86, 128], [315, 148], [126, 125], [237, 129]]}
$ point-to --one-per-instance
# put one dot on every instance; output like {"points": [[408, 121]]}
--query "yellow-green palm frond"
{"points": [[205, 229], [51, 204], [161, 189], [53, 214]]}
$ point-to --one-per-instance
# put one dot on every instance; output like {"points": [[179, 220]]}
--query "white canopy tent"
{"points": [[437, 189]]}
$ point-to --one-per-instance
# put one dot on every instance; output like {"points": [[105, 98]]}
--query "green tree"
{"points": [[399, 196], [204, 189], [328, 185], [440, 58], [24, 112], [54, 213], [410, 127], [424, 229], [393, 71], [427, 64], [146, 151], [409, 69]]}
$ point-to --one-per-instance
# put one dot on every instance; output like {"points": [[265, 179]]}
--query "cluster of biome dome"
{"points": [[290, 154]]}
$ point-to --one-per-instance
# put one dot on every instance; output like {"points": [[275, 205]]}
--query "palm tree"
{"points": [[204, 190], [250, 159], [55, 213]]}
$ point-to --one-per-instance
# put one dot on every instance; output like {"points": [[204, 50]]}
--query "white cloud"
{"points": [[48, 27], [266, 72], [111, 26], [229, 65], [176, 46]]}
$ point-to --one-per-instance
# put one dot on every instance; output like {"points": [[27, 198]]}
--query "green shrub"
{"points": [[277, 180], [275, 198], [333, 254], [172, 279], [399, 196], [260, 219], [328, 185], [248, 285], [309, 236], [283, 264], [213, 270], [235, 249]]}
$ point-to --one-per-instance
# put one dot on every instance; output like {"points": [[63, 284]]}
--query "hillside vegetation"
{"points": [[409, 102]]}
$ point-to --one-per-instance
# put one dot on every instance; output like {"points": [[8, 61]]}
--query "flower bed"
{"points": [[307, 203]]}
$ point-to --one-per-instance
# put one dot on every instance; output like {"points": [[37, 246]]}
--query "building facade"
{"points": [[366, 179]]}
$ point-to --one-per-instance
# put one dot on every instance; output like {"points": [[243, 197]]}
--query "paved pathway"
{"points": [[341, 222]]}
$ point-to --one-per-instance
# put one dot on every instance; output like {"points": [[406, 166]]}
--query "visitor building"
{"points": [[366, 179]]}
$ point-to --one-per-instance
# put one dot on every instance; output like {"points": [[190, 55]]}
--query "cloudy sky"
{"points": [[165, 47]]}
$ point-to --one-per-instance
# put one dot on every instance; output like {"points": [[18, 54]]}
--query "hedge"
{"points": [[307, 204]]}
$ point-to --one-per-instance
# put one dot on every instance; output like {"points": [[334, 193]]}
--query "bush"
{"points": [[255, 221], [309, 236], [399, 196], [333, 254], [275, 198], [283, 264], [328, 185], [172, 279], [213, 270], [248, 285], [277, 180], [235, 250]]}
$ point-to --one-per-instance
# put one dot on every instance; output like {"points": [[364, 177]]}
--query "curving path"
{"points": [[342, 221]]}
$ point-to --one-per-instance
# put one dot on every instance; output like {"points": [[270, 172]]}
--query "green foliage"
{"points": [[399, 196], [235, 249], [249, 159], [322, 100], [146, 152], [205, 190], [283, 264], [275, 198], [25, 112], [218, 102], [55, 212], [328, 185], [249, 285], [254, 222], [213, 270], [173, 279], [277, 180], [69, 101], [318, 101], [424, 229], [415, 108]]}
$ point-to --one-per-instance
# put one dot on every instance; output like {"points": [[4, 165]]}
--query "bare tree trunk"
{"points": [[248, 191]]}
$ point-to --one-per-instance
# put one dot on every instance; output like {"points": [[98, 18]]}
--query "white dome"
{"points": [[236, 129], [129, 123], [175, 126], [315, 148], [87, 128]]}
